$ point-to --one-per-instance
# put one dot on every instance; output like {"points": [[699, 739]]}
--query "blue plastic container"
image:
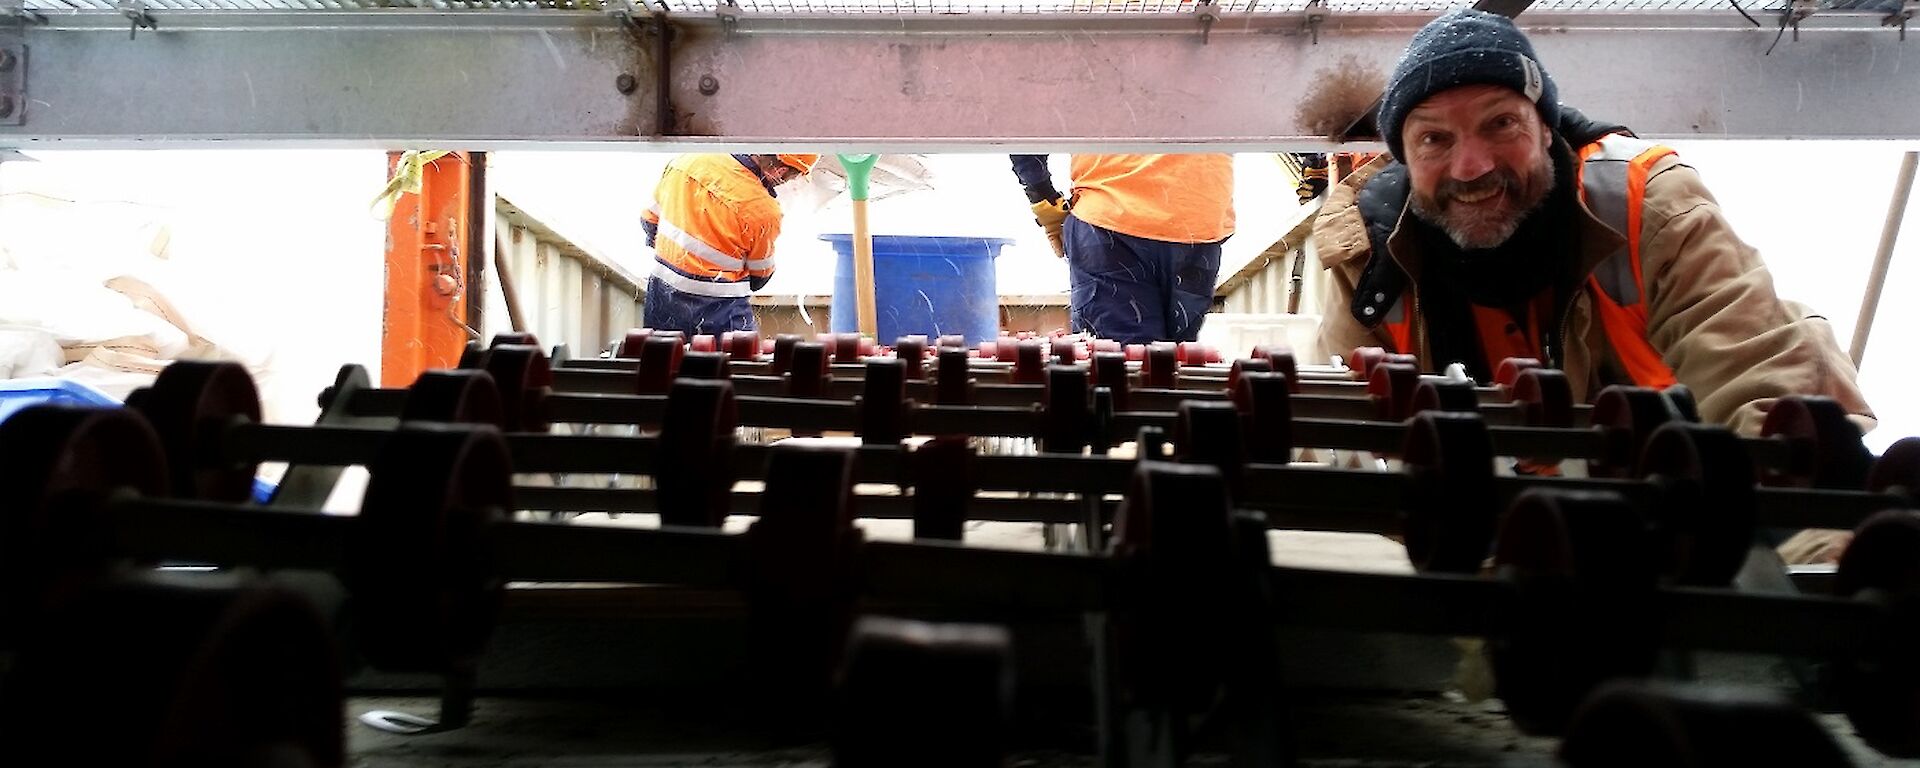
{"points": [[16, 394], [922, 285]]}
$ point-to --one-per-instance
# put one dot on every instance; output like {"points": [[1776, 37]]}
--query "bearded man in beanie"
{"points": [[1508, 225]]}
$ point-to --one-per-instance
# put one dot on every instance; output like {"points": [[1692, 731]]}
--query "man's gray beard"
{"points": [[1465, 239]]}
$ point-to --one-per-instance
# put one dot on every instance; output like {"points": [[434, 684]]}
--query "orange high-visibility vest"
{"points": [[717, 223], [1612, 179], [1170, 198]]}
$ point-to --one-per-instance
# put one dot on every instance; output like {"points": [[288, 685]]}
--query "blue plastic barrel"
{"points": [[932, 286]]}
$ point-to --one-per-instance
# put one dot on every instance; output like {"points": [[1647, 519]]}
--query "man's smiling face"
{"points": [[1477, 157]]}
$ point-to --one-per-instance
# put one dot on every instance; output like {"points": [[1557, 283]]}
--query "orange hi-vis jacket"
{"points": [[717, 223], [1170, 198]]}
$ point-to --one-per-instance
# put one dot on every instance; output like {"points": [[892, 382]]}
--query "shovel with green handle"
{"points": [[859, 170]]}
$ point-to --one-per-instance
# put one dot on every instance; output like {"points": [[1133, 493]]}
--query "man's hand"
{"points": [[755, 283], [1050, 215]]}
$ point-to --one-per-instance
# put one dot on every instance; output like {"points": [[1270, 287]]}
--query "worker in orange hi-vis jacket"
{"points": [[1141, 235], [712, 227]]}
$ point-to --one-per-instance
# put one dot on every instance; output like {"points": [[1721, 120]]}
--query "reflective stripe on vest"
{"points": [[714, 260], [722, 289], [1399, 325], [1613, 175]]}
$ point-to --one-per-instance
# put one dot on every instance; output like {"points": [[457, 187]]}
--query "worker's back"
{"points": [[719, 218], [1171, 198]]}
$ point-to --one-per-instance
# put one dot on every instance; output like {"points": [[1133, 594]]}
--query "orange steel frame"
{"points": [[426, 296]]}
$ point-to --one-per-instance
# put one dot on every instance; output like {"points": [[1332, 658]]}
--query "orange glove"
{"points": [[1051, 215]]}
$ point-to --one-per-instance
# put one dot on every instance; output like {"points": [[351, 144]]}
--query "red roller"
{"points": [[912, 352], [1391, 385], [1547, 397], [1828, 451], [630, 346], [1362, 360], [741, 345], [1192, 353], [1241, 368], [1163, 360], [847, 348], [1510, 368], [1065, 352], [1029, 362]]}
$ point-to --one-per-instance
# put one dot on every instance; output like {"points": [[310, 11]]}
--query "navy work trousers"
{"points": [[1134, 290], [668, 309]]}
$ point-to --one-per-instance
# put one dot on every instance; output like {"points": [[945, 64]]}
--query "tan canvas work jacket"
{"points": [[1704, 299]]}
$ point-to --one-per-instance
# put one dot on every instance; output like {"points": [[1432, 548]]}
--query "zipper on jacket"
{"points": [[1566, 316], [1420, 347]]}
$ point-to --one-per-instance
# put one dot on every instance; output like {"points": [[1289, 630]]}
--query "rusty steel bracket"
{"points": [[137, 16], [1313, 16], [13, 61], [629, 14], [650, 26], [15, 13], [1205, 12], [663, 114], [728, 13], [1797, 12], [1900, 16], [13, 79]]}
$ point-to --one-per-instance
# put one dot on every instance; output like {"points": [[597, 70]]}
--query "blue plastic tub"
{"points": [[922, 285], [16, 394]]}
